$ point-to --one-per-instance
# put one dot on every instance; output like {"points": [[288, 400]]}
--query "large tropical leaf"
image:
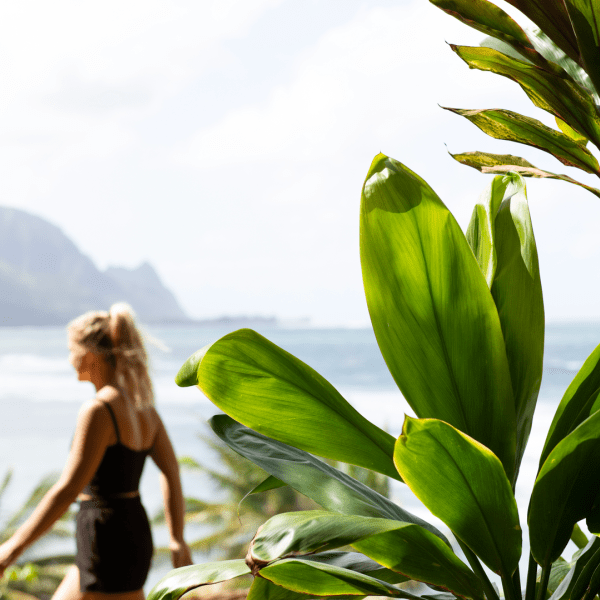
{"points": [[402, 547], [585, 18], [501, 237], [581, 400], [462, 483], [321, 579], [561, 96], [263, 589], [486, 162], [266, 388], [433, 315], [310, 476], [176, 583], [552, 18], [565, 490], [511, 126]]}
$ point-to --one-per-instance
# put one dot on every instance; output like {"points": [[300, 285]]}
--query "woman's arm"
{"points": [[92, 435], [164, 457]]}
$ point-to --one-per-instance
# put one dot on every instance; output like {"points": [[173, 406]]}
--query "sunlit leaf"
{"points": [[269, 390], [552, 18], [568, 130], [511, 126], [180, 581], [321, 579], [501, 236], [581, 400], [560, 96], [433, 315], [496, 164], [462, 483], [585, 19], [564, 490], [493, 21]]}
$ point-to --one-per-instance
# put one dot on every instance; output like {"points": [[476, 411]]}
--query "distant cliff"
{"points": [[46, 280]]}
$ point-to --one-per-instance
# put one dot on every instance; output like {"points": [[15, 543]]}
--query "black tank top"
{"points": [[120, 470]]}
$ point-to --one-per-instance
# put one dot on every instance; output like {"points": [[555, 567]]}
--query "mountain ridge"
{"points": [[46, 280]]}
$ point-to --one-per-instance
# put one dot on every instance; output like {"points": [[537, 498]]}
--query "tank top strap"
{"points": [[114, 420]]}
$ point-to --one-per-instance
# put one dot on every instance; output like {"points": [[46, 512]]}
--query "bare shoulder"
{"points": [[91, 408], [92, 416], [108, 393]]}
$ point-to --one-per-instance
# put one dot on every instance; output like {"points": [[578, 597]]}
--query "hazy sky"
{"points": [[227, 142]]}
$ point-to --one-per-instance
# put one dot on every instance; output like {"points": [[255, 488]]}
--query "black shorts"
{"points": [[114, 545]]}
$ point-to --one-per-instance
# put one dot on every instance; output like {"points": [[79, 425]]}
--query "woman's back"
{"points": [[135, 428], [130, 441]]}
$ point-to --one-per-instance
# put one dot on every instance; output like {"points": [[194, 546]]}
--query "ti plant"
{"points": [[557, 66], [459, 320]]}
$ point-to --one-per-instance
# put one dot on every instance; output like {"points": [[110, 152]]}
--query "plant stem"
{"points": [[509, 588], [516, 580], [543, 585], [488, 588], [531, 578]]}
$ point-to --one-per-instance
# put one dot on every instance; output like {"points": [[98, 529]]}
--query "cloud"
{"points": [[369, 77], [78, 77]]}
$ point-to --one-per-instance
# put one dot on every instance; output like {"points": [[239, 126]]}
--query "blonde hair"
{"points": [[115, 335]]}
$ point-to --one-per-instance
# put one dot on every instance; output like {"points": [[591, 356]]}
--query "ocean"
{"points": [[40, 397]]}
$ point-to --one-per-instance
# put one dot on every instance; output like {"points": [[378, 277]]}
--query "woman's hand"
{"points": [[8, 555], [180, 554]]}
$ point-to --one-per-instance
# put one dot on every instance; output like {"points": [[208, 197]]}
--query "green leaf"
{"points": [[593, 518], [327, 486], [266, 388], [587, 573], [552, 53], [433, 315], [552, 18], [496, 164], [180, 581], [564, 589], [263, 589], [585, 19], [574, 135], [462, 483], [560, 569], [581, 400], [501, 237], [564, 490], [507, 125], [560, 96], [402, 547], [321, 579], [493, 21], [270, 483]]}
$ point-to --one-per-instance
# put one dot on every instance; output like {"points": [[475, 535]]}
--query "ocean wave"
{"points": [[34, 364]]}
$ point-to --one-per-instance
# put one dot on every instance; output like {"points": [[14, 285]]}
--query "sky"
{"points": [[227, 142]]}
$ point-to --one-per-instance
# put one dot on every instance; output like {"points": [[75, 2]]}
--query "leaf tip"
{"points": [[188, 373]]}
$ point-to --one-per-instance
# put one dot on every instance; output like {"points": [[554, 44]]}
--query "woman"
{"points": [[115, 432]]}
